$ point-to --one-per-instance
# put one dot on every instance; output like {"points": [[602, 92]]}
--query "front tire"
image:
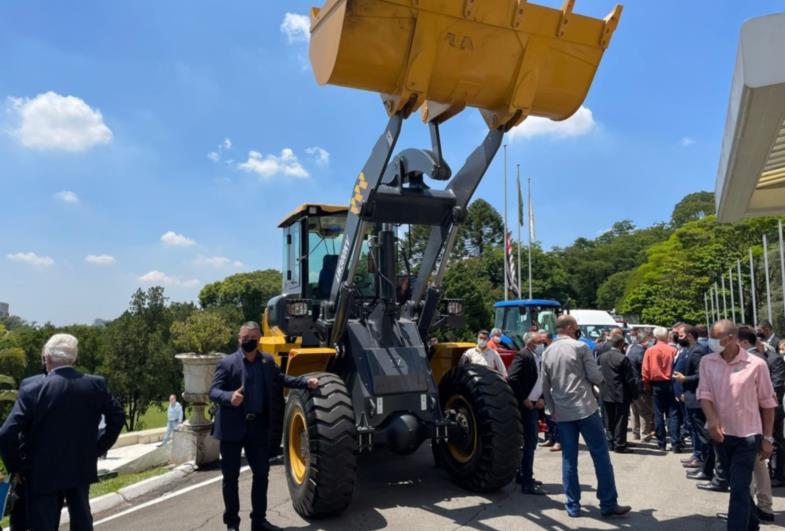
{"points": [[320, 447], [486, 450]]}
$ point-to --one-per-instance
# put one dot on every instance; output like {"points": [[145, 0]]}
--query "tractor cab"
{"points": [[517, 317]]}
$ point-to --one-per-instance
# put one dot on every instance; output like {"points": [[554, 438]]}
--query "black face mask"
{"points": [[249, 345], [578, 333], [683, 342]]}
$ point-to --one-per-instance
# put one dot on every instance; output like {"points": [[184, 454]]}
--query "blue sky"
{"points": [[160, 142]]}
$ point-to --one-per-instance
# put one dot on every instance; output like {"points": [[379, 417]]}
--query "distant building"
{"points": [[4, 309]]}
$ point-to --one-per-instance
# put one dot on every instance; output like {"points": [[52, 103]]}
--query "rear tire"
{"points": [[320, 447], [486, 455]]}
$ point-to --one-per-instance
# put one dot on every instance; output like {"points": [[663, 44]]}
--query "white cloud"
{"points": [[579, 124], [320, 155], [686, 141], [172, 239], [217, 262], [32, 259], [214, 156], [227, 143], [54, 122], [157, 277], [267, 166], [297, 28], [66, 196], [100, 259]]}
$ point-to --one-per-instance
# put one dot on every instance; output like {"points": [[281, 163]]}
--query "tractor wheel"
{"points": [[484, 454], [320, 447]]}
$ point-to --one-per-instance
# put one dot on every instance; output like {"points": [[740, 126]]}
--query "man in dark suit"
{"points": [[51, 440], [685, 376], [764, 327], [243, 388], [617, 391], [642, 406], [524, 379]]}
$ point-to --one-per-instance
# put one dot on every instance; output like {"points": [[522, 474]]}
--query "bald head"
{"points": [[724, 328], [566, 325]]}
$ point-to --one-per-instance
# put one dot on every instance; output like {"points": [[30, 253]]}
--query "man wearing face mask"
{"points": [[484, 355], [242, 387], [527, 385], [738, 400], [642, 412]]}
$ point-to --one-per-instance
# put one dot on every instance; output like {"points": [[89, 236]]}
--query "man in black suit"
{"points": [[764, 327], [617, 391], [51, 437], [524, 379], [243, 388]]}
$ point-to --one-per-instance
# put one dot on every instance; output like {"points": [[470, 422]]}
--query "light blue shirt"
{"points": [[175, 412]]}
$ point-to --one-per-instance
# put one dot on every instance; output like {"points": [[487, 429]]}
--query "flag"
{"points": [[511, 280], [532, 236], [520, 202]]}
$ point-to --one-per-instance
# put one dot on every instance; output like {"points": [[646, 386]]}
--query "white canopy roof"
{"points": [[751, 175]]}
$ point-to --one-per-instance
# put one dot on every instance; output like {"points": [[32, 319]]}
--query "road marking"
{"points": [[164, 498]]}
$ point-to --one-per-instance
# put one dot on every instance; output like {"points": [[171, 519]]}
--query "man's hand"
{"points": [[528, 404], [716, 433], [540, 404], [679, 377], [766, 449], [238, 397], [313, 383]]}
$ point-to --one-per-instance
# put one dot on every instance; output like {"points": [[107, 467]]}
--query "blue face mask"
{"points": [[539, 349], [715, 345]]}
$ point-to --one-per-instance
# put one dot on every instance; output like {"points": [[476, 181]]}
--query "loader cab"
{"points": [[516, 317], [312, 240]]}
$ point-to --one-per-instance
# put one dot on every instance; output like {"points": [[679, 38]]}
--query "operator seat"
{"points": [[326, 276]]}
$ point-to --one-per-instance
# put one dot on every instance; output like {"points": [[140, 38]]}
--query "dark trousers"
{"points": [[665, 407], [530, 420], [740, 453], [701, 443], [616, 417], [553, 430], [715, 465], [18, 518], [256, 446], [43, 510], [779, 441]]}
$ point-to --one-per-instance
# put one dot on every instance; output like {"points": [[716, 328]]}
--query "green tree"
{"points": [[692, 207], [482, 229], [202, 333], [247, 291], [611, 292], [140, 365]]}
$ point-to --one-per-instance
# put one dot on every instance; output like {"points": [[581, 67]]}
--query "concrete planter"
{"points": [[192, 440]]}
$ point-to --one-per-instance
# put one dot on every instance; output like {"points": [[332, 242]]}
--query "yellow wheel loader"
{"points": [[346, 316]]}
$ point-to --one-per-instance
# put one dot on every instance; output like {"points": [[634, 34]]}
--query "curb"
{"points": [[131, 492]]}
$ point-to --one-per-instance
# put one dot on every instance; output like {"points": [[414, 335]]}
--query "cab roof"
{"points": [[312, 209], [528, 302]]}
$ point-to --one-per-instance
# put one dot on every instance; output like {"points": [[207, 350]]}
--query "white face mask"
{"points": [[715, 345], [539, 349], [482, 343]]}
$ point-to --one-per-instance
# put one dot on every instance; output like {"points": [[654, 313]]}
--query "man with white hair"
{"points": [[51, 439], [656, 372]]}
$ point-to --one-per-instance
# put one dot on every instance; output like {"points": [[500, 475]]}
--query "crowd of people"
{"points": [[714, 395]]}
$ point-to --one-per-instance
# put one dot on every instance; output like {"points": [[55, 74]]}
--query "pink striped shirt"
{"points": [[738, 390]]}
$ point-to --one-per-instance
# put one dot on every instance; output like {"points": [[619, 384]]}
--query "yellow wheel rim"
{"points": [[463, 451], [299, 451]]}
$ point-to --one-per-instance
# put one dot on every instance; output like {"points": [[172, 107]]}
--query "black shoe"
{"points": [[265, 526], [712, 487], [699, 475], [535, 490], [661, 447], [765, 516], [623, 450], [537, 482], [677, 450], [619, 510]]}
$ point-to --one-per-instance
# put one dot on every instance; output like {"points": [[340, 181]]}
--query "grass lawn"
{"points": [[113, 485], [154, 417]]}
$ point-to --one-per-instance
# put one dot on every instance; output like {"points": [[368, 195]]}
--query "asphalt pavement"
{"points": [[396, 492]]}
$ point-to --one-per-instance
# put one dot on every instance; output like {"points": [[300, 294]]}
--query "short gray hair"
{"points": [[62, 349], [528, 337], [251, 325], [661, 333], [496, 332]]}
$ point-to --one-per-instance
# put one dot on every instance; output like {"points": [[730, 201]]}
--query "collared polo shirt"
{"points": [[738, 390]]}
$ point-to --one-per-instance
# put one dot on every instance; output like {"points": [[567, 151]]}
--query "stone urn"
{"points": [[193, 439]]}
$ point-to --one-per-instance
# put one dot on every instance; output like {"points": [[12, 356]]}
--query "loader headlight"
{"points": [[454, 306], [297, 307]]}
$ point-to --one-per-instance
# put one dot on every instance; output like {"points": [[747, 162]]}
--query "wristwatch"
{"points": [[770, 440]]}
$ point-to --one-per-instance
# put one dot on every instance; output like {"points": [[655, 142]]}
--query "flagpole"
{"points": [[531, 230], [520, 221], [506, 266]]}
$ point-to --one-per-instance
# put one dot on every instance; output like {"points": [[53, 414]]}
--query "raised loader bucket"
{"points": [[509, 58]]}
